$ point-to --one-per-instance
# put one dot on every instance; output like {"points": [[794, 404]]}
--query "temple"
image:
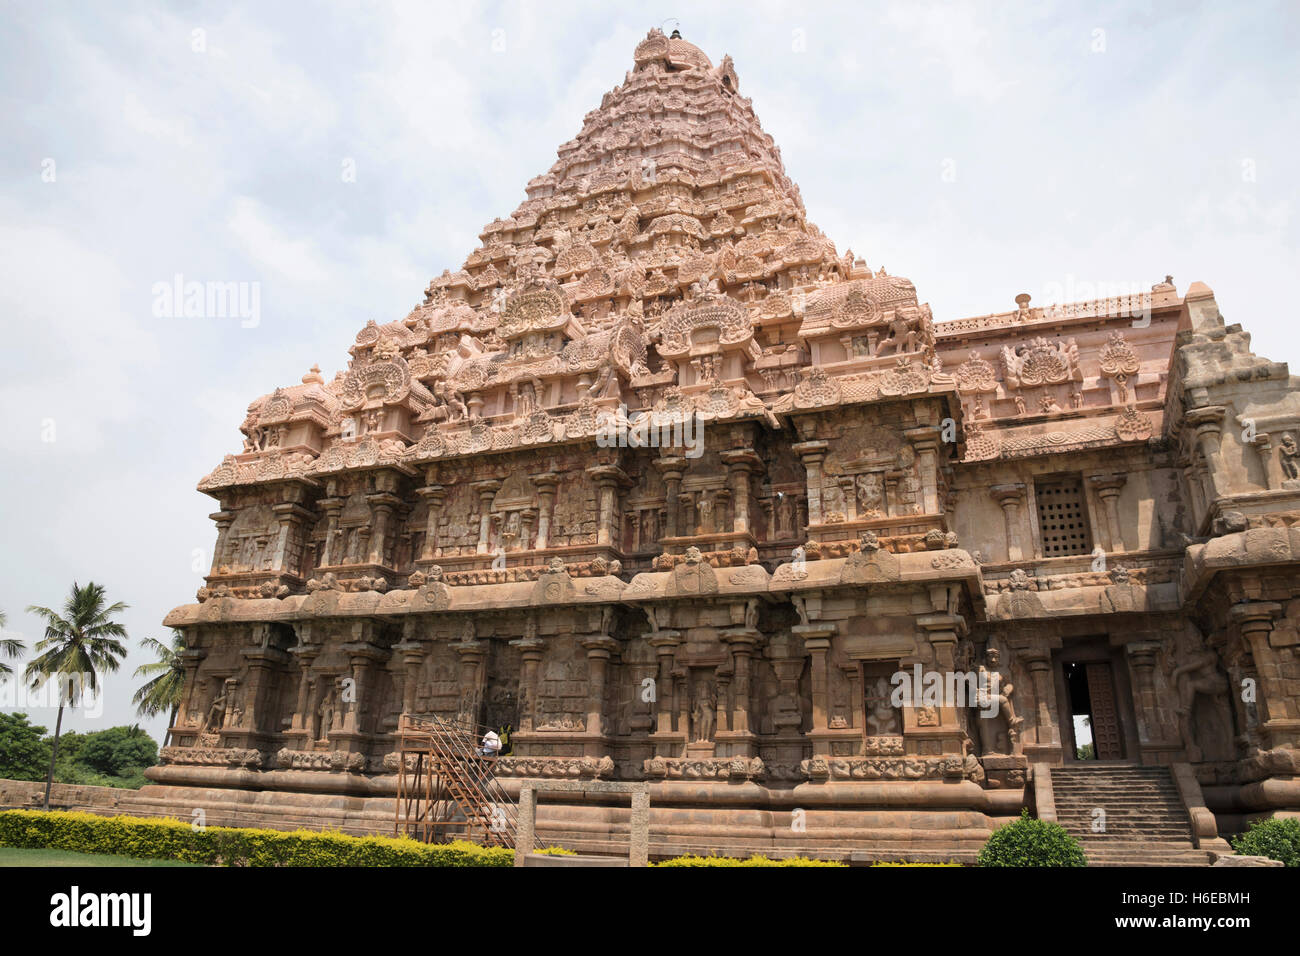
{"points": [[682, 495]]}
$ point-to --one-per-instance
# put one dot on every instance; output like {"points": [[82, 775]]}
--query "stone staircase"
{"points": [[1146, 823]]}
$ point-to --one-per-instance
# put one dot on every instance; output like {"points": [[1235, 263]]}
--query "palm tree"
{"points": [[163, 692], [78, 644], [9, 647]]}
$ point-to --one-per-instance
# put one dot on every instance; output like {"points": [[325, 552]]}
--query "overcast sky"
{"points": [[336, 157]]}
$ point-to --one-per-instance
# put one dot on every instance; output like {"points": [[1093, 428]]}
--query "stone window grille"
{"points": [[1062, 517]]}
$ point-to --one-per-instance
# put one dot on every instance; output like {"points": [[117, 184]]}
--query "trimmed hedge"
{"points": [[1030, 842], [1277, 838], [691, 860], [167, 839], [905, 863]]}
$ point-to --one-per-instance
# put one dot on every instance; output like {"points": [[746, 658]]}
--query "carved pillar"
{"points": [[599, 651], [1142, 664], [363, 656], [223, 520], [1011, 497], [531, 650], [672, 469], [665, 645], [813, 454], [1046, 733], [741, 463], [1208, 424], [926, 443], [306, 655], [412, 652], [545, 484], [1108, 489], [471, 654], [382, 504], [434, 496], [742, 641], [817, 643], [1279, 723], [607, 478], [332, 508], [287, 547], [486, 491]]}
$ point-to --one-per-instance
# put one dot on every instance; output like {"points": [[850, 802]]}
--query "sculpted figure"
{"points": [[1289, 453], [703, 714], [1198, 674], [217, 712], [901, 336], [993, 698]]}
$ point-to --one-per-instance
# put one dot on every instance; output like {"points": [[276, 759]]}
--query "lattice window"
{"points": [[1062, 517]]}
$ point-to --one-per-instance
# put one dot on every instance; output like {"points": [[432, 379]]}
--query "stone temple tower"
{"points": [[663, 481]]}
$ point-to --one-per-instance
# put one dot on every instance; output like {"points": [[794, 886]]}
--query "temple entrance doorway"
{"points": [[1094, 722]]}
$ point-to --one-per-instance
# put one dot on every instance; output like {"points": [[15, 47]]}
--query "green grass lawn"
{"points": [[15, 857]]}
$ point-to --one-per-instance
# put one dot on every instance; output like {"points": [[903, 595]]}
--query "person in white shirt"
{"points": [[491, 744]]}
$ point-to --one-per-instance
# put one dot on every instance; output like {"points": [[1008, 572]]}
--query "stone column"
{"points": [[471, 657], [1278, 725], [262, 661], [486, 491], [306, 654], [287, 549], [817, 642], [531, 650], [665, 645], [382, 504], [607, 478], [545, 484], [1208, 424], [362, 655], [434, 496], [599, 650], [223, 520], [741, 463], [1142, 664], [1011, 497], [857, 700], [1039, 664], [332, 508], [672, 469], [412, 652], [1108, 488], [742, 641], [813, 454], [925, 441]]}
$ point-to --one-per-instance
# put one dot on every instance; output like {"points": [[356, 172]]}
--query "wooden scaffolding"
{"points": [[444, 784]]}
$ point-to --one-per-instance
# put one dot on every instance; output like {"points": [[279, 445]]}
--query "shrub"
{"points": [[557, 851], [693, 860], [166, 839], [23, 754], [1030, 842], [905, 863], [1277, 838]]}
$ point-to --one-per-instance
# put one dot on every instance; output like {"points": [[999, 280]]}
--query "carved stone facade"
{"points": [[811, 488]]}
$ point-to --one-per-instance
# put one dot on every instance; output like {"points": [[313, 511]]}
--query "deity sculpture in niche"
{"points": [[703, 715], [1203, 729], [216, 718], [999, 727]]}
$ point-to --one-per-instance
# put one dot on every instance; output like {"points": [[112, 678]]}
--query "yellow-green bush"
{"points": [[167, 839], [904, 863], [557, 851], [691, 860]]}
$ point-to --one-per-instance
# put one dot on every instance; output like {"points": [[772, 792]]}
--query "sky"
{"points": [[331, 158]]}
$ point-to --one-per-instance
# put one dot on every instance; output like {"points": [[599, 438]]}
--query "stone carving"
{"points": [[664, 272]]}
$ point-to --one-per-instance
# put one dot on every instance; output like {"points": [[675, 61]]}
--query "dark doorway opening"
{"points": [[1094, 721]]}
